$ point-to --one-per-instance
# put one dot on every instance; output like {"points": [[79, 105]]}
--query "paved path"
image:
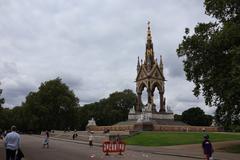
{"points": [[63, 149], [185, 151], [193, 150]]}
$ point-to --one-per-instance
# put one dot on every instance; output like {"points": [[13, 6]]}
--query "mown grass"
{"points": [[177, 138]]}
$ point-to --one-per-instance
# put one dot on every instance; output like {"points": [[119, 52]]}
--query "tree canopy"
{"points": [[211, 58], [53, 106], [195, 116], [110, 110]]}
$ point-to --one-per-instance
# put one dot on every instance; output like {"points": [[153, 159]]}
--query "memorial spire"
{"points": [[149, 54]]}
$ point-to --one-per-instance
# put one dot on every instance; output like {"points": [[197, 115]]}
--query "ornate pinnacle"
{"points": [[161, 63], [138, 64], [149, 37], [161, 60], [149, 54]]}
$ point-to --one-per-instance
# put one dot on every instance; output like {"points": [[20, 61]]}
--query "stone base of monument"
{"points": [[143, 126], [158, 116]]}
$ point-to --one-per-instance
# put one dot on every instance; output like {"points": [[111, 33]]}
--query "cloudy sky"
{"points": [[93, 46]]}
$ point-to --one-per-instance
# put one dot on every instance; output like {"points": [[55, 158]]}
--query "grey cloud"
{"points": [[174, 67], [8, 69], [15, 91], [186, 99], [72, 81], [92, 45]]}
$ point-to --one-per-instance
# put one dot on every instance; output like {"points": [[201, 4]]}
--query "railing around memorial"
{"points": [[174, 128]]}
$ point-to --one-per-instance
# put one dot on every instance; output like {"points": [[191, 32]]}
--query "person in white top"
{"points": [[12, 143], [90, 139]]}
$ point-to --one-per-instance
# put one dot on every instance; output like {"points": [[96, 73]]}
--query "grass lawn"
{"points": [[177, 138]]}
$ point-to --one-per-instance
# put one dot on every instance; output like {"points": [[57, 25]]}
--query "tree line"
{"points": [[55, 106]]}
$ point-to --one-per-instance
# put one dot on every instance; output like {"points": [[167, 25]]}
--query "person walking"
{"points": [[46, 139], [207, 148], [118, 138], [90, 139], [75, 134], [12, 143]]}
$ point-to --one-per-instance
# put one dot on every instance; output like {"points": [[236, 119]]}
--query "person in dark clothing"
{"points": [[118, 138], [19, 155], [207, 147]]}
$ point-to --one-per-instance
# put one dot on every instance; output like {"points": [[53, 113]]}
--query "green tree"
{"points": [[5, 120], [211, 58], [110, 110], [53, 106], [117, 106], [196, 117], [19, 118], [177, 117]]}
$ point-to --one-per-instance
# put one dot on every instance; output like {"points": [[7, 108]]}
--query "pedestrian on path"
{"points": [[75, 134], [46, 139], [207, 148], [12, 143], [90, 139], [118, 138]]}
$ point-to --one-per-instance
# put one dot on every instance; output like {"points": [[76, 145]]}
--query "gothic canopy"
{"points": [[150, 75]]}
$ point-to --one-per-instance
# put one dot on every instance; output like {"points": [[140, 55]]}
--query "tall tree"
{"points": [[53, 106], [211, 58]]}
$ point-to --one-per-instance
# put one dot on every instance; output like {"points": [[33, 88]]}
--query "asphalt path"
{"points": [[62, 150]]}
